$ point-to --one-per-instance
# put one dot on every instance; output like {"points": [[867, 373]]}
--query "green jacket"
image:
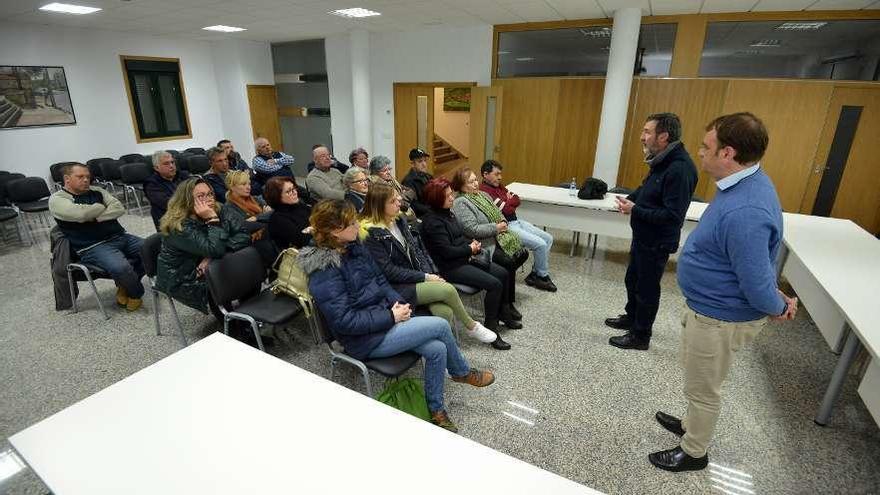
{"points": [[183, 251]]}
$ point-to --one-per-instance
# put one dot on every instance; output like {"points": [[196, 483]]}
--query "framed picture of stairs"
{"points": [[34, 96]]}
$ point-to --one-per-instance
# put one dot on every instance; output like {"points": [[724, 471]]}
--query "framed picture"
{"points": [[34, 96], [456, 99]]}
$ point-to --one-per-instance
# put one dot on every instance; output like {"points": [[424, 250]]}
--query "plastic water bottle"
{"points": [[573, 188]]}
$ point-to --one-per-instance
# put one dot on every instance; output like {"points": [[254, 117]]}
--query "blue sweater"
{"points": [[726, 270]]}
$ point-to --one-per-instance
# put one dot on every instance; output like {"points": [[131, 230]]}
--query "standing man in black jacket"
{"points": [[657, 210]]}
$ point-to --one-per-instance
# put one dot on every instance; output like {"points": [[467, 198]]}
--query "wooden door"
{"points": [[409, 100], [263, 103], [485, 116], [858, 195]]}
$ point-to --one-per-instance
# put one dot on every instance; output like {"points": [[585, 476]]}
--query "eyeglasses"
{"points": [[360, 181], [289, 191], [205, 195]]}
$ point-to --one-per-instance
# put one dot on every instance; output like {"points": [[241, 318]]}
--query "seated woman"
{"points": [[250, 212], [289, 222], [193, 233], [380, 173], [368, 317], [456, 255], [356, 186], [483, 221], [359, 158], [407, 266]]}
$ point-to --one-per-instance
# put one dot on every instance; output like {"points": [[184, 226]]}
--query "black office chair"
{"points": [[182, 161], [31, 197], [150, 257], [57, 175], [236, 277], [134, 158], [112, 176], [77, 271], [8, 213], [6, 179], [133, 176], [195, 151], [174, 153], [94, 166], [198, 164]]}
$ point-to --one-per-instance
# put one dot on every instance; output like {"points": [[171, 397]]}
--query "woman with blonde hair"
{"points": [[193, 233], [368, 317], [409, 269], [243, 207]]}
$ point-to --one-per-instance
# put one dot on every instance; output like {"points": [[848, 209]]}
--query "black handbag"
{"points": [[593, 188], [511, 262], [481, 260]]}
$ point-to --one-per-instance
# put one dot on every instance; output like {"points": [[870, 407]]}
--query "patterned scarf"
{"points": [[508, 240], [251, 209]]}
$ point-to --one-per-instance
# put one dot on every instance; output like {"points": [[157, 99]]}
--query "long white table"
{"points": [[833, 265], [220, 417]]}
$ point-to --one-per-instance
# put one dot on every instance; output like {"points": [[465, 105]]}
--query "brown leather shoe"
{"points": [[121, 297], [441, 419], [133, 304], [476, 378]]}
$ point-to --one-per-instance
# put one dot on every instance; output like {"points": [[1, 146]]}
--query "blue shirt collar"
{"points": [[733, 179]]}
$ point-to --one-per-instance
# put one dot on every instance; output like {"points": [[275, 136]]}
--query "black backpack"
{"points": [[593, 188]]}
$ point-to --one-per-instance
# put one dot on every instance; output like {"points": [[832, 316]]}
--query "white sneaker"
{"points": [[482, 333]]}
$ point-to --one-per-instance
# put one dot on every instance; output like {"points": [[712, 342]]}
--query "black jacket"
{"points": [[158, 191], [402, 267], [663, 200], [416, 181], [287, 223], [218, 184], [356, 200], [445, 240]]}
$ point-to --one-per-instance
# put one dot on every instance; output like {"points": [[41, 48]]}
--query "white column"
{"points": [[615, 104], [360, 89]]}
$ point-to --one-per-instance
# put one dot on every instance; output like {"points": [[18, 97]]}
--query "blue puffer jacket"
{"points": [[352, 294]]}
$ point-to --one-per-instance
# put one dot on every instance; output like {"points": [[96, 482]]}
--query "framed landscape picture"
{"points": [[34, 96], [456, 99]]}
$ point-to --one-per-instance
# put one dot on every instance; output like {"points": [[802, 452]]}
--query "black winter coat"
{"points": [[402, 267], [416, 181], [287, 223], [158, 191], [445, 239]]}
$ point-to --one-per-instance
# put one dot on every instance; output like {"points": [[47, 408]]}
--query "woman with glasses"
{"points": [[381, 173], [193, 233], [356, 186], [289, 223], [368, 317]]}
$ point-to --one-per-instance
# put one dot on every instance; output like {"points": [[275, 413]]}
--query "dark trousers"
{"points": [[511, 265], [493, 282], [646, 266]]}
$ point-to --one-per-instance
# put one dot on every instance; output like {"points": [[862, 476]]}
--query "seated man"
{"points": [[335, 163], [235, 160], [533, 238], [159, 187], [269, 162], [324, 181], [87, 216], [216, 177], [416, 179]]}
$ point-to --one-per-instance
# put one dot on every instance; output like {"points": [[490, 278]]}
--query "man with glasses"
{"points": [[159, 187]]}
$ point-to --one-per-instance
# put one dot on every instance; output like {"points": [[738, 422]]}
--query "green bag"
{"points": [[408, 395]]}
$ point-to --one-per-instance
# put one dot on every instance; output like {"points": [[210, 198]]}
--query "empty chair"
{"points": [[134, 158], [237, 276], [182, 161], [31, 196], [81, 272], [94, 166], [195, 151], [57, 174], [5, 179], [176, 154], [112, 176], [6, 214], [133, 176], [150, 256], [198, 164]]}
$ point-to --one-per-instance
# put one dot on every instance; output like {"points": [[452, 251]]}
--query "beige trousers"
{"points": [[707, 347]]}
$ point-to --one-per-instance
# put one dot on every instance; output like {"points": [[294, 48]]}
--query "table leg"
{"points": [[850, 349], [595, 242], [780, 261], [575, 240]]}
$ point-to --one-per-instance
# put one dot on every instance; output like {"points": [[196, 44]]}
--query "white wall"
{"points": [[238, 63], [428, 55], [337, 51], [104, 127]]}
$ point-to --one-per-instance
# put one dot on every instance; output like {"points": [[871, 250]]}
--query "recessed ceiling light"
{"points": [[224, 29], [66, 8], [353, 13], [524, 59], [800, 26], [766, 43]]}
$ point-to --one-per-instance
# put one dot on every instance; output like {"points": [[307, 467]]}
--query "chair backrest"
{"points": [[95, 167], [183, 161], [150, 253], [236, 275], [195, 151], [134, 158], [135, 173], [55, 171], [110, 170], [198, 164], [28, 189], [6, 179], [174, 153]]}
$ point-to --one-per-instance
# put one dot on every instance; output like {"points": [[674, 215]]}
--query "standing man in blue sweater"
{"points": [[657, 210], [727, 276]]}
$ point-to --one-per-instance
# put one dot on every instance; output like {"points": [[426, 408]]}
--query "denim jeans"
{"points": [[121, 258], [431, 338], [537, 241]]}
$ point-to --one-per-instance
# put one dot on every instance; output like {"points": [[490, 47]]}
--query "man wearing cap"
{"points": [[416, 179]]}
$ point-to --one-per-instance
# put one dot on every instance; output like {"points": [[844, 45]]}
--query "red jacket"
{"points": [[510, 200]]}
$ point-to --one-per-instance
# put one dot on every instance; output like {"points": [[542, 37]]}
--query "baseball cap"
{"points": [[416, 153]]}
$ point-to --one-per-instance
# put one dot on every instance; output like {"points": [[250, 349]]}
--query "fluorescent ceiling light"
{"points": [[524, 59], [766, 43], [800, 26], [602, 32], [503, 52], [354, 13], [224, 29], [66, 8]]}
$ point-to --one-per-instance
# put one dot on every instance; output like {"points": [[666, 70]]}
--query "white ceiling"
{"points": [[288, 20]]}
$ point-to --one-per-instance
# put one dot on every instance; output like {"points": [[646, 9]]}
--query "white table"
{"points": [[220, 417]]}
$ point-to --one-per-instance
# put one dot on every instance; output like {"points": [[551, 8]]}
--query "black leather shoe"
{"points": [[512, 324], [629, 341], [622, 322], [511, 312], [500, 344], [543, 283], [676, 460], [670, 422]]}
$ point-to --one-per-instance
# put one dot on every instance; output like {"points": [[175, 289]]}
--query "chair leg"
{"points": [[332, 367], [70, 282], [575, 239], [369, 385], [95, 291], [177, 320], [155, 311]]}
